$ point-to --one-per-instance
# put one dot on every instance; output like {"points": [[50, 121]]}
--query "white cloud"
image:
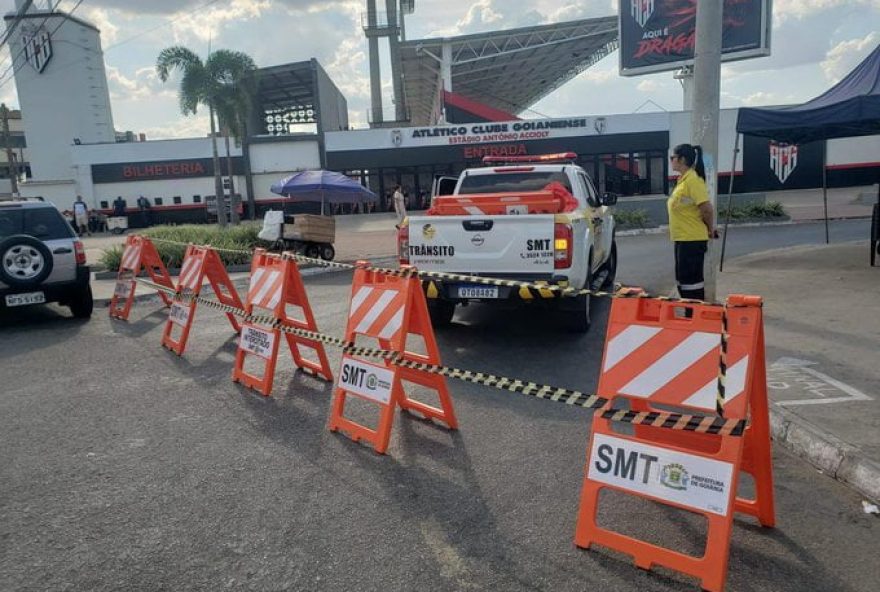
{"points": [[206, 24], [104, 20], [844, 56], [798, 9], [196, 126], [145, 84], [647, 85], [599, 76]]}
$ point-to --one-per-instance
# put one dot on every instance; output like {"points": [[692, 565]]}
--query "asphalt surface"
{"points": [[127, 468]]}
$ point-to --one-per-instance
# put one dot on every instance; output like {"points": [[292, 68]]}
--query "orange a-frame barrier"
{"points": [[389, 309], [199, 263], [275, 284], [140, 253], [657, 353]]}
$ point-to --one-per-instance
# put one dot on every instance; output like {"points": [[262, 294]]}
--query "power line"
{"points": [[157, 27], [3, 79]]}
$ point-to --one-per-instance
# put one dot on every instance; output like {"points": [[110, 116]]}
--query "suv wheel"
{"points": [[81, 304], [24, 261]]}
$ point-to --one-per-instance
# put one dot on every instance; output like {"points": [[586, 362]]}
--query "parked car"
{"points": [[41, 258]]}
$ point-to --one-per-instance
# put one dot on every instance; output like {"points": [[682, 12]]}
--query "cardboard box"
{"points": [[308, 227]]}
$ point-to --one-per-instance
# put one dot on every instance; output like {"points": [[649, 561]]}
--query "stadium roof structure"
{"points": [[296, 94], [507, 70]]}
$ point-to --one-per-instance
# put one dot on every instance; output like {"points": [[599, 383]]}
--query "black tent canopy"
{"points": [[849, 108]]}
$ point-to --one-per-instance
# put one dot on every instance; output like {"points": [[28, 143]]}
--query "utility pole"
{"points": [[706, 111], [10, 155]]}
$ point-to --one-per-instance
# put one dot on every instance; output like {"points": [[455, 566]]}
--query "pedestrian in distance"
{"points": [[691, 220], [144, 207], [399, 205], [81, 216], [119, 206]]}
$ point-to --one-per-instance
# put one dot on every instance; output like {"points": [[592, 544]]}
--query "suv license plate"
{"points": [[25, 299], [478, 291]]}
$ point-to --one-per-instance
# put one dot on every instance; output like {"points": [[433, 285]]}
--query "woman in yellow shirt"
{"points": [[691, 220]]}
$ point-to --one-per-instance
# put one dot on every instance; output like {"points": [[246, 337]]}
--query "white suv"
{"points": [[41, 259]]}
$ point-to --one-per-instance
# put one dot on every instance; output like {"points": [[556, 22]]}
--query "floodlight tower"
{"points": [[390, 25]]}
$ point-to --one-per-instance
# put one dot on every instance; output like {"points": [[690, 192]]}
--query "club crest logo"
{"points": [[641, 11], [37, 48], [396, 138], [674, 476], [783, 159]]}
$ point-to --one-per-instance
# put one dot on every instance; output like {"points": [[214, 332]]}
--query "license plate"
{"points": [[478, 291], [25, 299]]}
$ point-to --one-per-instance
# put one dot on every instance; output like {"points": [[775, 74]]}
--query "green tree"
{"points": [[219, 83], [237, 75]]}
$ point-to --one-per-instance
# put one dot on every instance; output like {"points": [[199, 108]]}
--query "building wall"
{"points": [[332, 106], [69, 99]]}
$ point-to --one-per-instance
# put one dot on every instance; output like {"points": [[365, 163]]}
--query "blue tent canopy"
{"points": [[849, 108], [323, 186]]}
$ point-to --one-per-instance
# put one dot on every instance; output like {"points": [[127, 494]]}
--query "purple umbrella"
{"points": [[323, 186]]}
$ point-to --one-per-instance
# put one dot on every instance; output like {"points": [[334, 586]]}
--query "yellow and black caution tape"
{"points": [[664, 419], [536, 288]]}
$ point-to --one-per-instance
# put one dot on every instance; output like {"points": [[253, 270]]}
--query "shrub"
{"points": [[243, 237], [754, 211], [625, 219]]}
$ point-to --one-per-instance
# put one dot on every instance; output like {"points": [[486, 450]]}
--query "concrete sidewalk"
{"points": [[822, 320]]}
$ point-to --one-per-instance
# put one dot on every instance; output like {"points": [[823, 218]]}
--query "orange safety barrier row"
{"points": [[664, 353], [388, 309], [139, 255], [275, 286], [199, 264]]}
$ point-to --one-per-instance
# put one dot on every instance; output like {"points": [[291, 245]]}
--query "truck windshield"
{"points": [[512, 182]]}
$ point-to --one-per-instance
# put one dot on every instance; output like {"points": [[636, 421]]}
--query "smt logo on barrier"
{"points": [[179, 314], [685, 479], [367, 380], [257, 341], [123, 288]]}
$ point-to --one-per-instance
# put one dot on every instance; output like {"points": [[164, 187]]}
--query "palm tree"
{"points": [[237, 74], [217, 83]]}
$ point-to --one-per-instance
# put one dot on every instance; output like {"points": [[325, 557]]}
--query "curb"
{"points": [[832, 456], [664, 227]]}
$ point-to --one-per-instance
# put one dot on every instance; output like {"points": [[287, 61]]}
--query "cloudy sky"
{"points": [[814, 43]]}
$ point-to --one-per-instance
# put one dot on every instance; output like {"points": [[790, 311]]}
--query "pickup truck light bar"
{"points": [[532, 158]]}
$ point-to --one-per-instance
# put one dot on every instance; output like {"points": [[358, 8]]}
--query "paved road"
{"points": [[127, 468], [648, 261]]}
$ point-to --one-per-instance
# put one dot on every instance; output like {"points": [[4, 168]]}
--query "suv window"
{"points": [[42, 223], [512, 182]]}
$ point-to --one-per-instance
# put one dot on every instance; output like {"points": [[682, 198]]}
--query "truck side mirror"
{"points": [[609, 199]]}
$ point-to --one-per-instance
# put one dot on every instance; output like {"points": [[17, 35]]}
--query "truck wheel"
{"points": [[578, 315], [312, 251], [81, 304], [610, 267], [441, 312], [327, 252]]}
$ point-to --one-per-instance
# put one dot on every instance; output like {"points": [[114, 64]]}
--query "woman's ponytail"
{"points": [[699, 167]]}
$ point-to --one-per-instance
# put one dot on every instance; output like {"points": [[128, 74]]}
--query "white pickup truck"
{"points": [[537, 219]]}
